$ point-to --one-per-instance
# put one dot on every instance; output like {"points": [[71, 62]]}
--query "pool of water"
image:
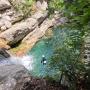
{"points": [[46, 47], [41, 48]]}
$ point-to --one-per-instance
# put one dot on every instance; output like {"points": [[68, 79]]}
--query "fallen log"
{"points": [[18, 31]]}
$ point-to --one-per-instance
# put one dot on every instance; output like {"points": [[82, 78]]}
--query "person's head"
{"points": [[43, 55]]}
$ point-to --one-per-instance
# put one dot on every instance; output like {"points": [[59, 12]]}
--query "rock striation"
{"points": [[15, 28], [18, 31]]}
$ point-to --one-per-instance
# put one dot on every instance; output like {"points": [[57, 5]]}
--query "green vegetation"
{"points": [[68, 57], [77, 12], [24, 7]]}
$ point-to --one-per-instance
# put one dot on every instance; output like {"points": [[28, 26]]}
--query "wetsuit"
{"points": [[43, 61]]}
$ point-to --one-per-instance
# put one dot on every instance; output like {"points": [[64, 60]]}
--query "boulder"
{"points": [[3, 53], [18, 31], [11, 76], [4, 4], [16, 77]]}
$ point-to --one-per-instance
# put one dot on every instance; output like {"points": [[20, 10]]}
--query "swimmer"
{"points": [[43, 61]]}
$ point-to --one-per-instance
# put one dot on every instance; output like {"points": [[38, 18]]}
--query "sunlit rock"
{"points": [[4, 4]]}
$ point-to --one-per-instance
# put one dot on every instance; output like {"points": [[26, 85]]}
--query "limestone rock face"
{"points": [[18, 31], [11, 76], [16, 77], [4, 4], [8, 18]]}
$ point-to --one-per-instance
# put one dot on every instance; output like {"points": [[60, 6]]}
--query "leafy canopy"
{"points": [[68, 58]]}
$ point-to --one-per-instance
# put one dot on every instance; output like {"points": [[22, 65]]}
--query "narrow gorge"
{"points": [[19, 32], [44, 45]]}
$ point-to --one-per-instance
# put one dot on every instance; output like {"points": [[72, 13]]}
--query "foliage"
{"points": [[77, 12], [66, 60], [56, 5], [24, 7]]}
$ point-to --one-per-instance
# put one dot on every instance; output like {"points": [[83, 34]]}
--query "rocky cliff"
{"points": [[16, 77], [19, 26]]}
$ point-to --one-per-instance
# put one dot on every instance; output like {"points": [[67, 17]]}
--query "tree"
{"points": [[67, 59], [77, 12]]}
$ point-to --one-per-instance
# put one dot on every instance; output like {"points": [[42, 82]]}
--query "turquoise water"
{"points": [[41, 48], [46, 47]]}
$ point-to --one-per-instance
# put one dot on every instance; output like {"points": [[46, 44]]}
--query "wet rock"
{"points": [[4, 53]]}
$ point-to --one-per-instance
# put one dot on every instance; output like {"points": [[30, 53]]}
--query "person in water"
{"points": [[43, 61]]}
